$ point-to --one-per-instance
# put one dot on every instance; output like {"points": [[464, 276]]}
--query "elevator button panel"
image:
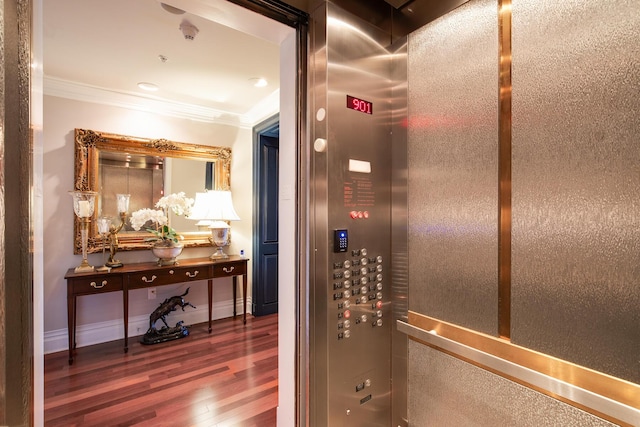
{"points": [[362, 286]]}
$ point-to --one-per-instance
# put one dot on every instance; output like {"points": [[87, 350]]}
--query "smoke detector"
{"points": [[188, 30]]}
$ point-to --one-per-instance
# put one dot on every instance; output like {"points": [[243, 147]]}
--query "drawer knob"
{"points": [[98, 286], [192, 275], [228, 269], [144, 279]]}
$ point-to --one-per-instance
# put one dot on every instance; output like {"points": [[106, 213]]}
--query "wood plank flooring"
{"points": [[226, 378]]}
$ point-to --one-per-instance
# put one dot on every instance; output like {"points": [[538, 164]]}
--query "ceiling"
{"points": [[99, 50]]}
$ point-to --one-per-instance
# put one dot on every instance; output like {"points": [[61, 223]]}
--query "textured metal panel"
{"points": [[453, 172], [576, 182], [445, 391]]}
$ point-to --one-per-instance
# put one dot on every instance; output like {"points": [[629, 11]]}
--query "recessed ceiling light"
{"points": [[148, 86], [258, 82]]}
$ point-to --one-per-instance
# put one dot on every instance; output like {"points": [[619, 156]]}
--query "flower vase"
{"points": [[167, 252]]}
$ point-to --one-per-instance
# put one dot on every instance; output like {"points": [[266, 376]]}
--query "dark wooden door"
{"points": [[265, 277]]}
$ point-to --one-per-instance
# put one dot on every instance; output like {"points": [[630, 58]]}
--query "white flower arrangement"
{"points": [[178, 203]]}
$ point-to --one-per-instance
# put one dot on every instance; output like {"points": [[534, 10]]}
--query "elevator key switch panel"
{"points": [[340, 240]]}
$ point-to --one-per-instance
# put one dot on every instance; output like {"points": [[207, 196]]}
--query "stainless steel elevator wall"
{"points": [[453, 167], [575, 199], [350, 304], [445, 391], [576, 182]]}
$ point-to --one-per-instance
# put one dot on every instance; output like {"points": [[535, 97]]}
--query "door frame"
{"points": [[264, 128]]}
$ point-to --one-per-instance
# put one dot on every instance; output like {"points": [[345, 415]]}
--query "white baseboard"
{"points": [[96, 333]]}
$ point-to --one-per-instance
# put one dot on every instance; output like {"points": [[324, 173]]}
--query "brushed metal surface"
{"points": [[350, 57], [399, 248], [453, 169], [440, 382], [576, 186]]}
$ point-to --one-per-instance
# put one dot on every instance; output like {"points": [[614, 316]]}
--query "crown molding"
{"points": [[133, 101]]}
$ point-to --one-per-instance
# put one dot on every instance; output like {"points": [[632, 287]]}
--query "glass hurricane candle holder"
{"points": [[103, 229], [83, 206], [123, 208]]}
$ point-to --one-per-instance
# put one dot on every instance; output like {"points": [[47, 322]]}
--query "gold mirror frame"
{"points": [[89, 143]]}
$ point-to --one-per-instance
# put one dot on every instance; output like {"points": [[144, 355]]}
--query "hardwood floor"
{"points": [[226, 378]]}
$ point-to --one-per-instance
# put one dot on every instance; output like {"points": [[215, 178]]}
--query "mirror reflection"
{"points": [[146, 169]]}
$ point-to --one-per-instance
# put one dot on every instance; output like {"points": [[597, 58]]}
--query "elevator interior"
{"points": [[464, 174]]}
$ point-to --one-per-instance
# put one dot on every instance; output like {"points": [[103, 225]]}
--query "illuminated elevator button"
{"points": [[378, 304], [347, 314], [347, 264], [365, 214]]}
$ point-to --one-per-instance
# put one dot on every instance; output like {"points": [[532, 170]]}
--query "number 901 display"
{"points": [[359, 105]]}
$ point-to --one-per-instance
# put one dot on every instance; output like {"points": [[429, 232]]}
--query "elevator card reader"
{"points": [[340, 240]]}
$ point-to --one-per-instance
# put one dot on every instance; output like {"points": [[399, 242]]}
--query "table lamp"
{"points": [[217, 208]]}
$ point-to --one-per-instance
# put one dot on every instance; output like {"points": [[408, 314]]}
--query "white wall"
{"points": [[100, 316]]}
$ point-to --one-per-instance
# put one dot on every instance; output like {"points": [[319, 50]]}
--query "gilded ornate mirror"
{"points": [[146, 169]]}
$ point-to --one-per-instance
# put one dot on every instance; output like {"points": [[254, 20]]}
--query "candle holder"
{"points": [[123, 208], [83, 207], [103, 229]]}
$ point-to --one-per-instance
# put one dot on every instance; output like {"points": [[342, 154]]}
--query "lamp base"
{"points": [[114, 264], [83, 269], [219, 254]]}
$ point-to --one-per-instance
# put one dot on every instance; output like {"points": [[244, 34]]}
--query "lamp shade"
{"points": [[214, 206]]}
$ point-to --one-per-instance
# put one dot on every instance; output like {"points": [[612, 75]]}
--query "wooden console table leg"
{"points": [[235, 294], [125, 305], [71, 325], [210, 290], [244, 298]]}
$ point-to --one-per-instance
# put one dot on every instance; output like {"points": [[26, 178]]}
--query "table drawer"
{"points": [[96, 284], [230, 269], [169, 276]]}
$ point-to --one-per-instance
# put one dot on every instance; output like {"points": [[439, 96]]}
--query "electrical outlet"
{"points": [[151, 293]]}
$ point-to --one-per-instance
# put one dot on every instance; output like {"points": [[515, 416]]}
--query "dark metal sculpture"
{"points": [[166, 333]]}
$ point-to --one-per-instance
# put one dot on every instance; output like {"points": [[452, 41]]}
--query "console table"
{"points": [[148, 275]]}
